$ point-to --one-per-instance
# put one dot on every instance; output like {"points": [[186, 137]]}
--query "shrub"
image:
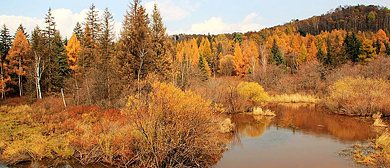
{"points": [[358, 96], [175, 128], [246, 96]]}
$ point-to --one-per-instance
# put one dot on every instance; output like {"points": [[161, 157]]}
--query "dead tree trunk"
{"points": [[38, 75]]}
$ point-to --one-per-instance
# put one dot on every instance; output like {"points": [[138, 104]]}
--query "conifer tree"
{"points": [[5, 45], [78, 31], [320, 55], [276, 54], [352, 46], [93, 21], [302, 56], [160, 46], [49, 32], [18, 59], [239, 66], [61, 66], [135, 44], [38, 50], [204, 68], [104, 73]]}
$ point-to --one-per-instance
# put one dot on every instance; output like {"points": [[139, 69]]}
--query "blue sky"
{"points": [[180, 16]]}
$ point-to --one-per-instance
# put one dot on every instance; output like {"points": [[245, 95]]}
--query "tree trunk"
{"points": [[63, 97], [2, 82], [38, 70], [19, 77]]}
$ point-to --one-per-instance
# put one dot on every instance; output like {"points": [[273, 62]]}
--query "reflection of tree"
{"points": [[315, 121], [249, 125]]}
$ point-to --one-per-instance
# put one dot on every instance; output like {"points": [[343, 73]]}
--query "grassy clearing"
{"points": [[293, 98]]}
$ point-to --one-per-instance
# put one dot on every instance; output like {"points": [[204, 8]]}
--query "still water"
{"points": [[299, 136]]}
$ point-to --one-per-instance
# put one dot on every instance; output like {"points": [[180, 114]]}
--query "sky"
{"points": [[179, 16]]}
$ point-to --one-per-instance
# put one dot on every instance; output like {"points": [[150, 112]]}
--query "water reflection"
{"points": [[299, 136], [312, 120]]}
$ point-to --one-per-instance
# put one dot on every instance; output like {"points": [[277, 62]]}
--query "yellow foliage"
{"points": [[239, 64], [170, 120], [358, 96], [252, 91], [73, 49]]}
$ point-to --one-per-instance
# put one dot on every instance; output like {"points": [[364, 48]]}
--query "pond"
{"points": [[299, 136]]}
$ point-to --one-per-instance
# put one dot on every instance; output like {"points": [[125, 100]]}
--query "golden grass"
{"points": [[375, 154], [293, 98], [260, 111]]}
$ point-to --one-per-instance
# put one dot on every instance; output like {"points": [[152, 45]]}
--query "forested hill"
{"points": [[349, 18]]}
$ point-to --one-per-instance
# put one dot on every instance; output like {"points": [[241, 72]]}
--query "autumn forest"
{"points": [[149, 99]]}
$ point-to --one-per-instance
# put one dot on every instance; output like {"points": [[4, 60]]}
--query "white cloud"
{"points": [[215, 25], [12, 22], [168, 9], [65, 21]]}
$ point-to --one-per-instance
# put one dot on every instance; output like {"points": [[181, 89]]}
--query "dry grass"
{"points": [[260, 111], [375, 154], [294, 98]]}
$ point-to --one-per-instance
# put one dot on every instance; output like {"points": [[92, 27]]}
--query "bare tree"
{"points": [[39, 68]]}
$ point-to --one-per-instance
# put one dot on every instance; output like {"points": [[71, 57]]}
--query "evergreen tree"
{"points": [[78, 31], [377, 45], [320, 55], [203, 68], [105, 71], [276, 54], [23, 29], [160, 46], [329, 55], [5, 45], [86, 56], [352, 47], [38, 51], [135, 44], [387, 46], [61, 68], [93, 21], [49, 32]]}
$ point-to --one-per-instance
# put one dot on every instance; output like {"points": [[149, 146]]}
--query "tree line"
{"points": [[92, 68]]}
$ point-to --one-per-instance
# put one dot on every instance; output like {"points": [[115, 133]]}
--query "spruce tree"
{"points": [[203, 69], [160, 46], [78, 31], [320, 55], [61, 68], [5, 45], [93, 21], [352, 47], [105, 72], [276, 54], [49, 32], [38, 50], [135, 44]]}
